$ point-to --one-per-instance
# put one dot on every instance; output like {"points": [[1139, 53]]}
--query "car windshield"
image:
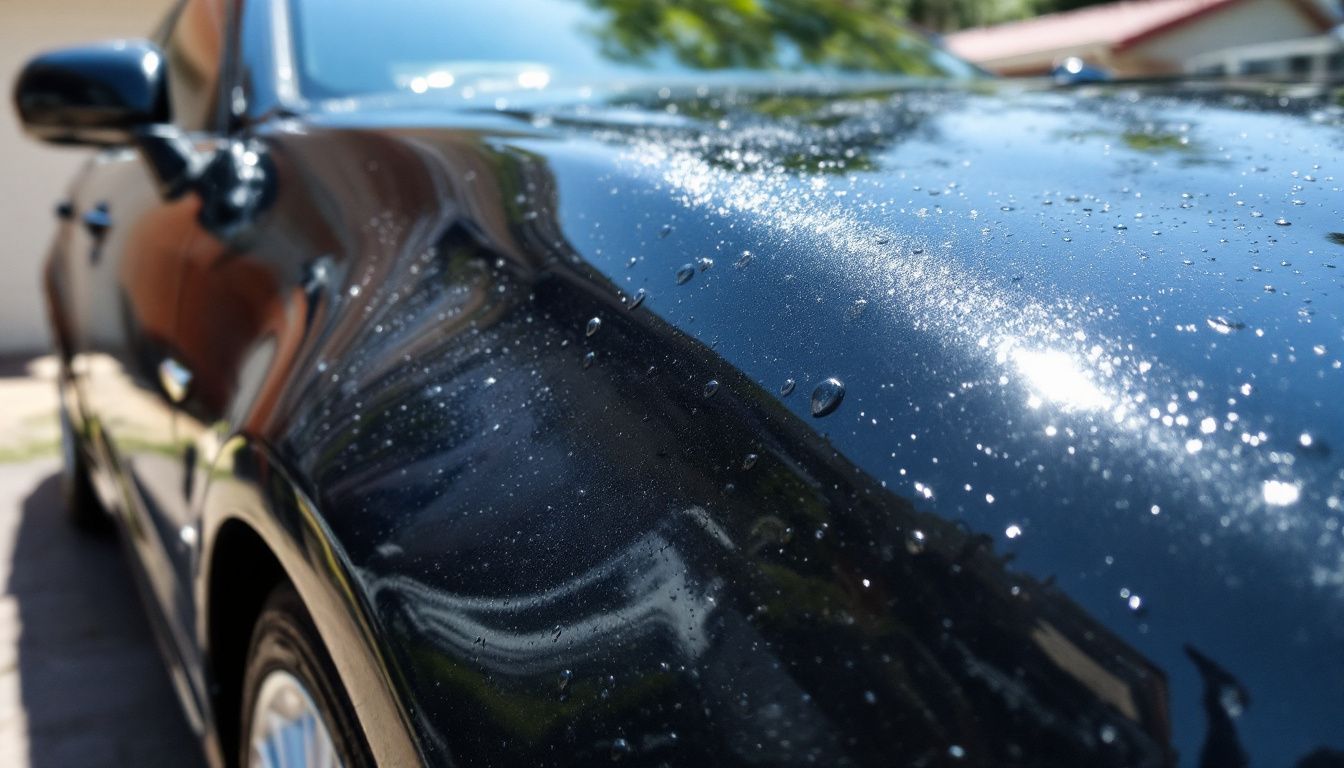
{"points": [[350, 47]]}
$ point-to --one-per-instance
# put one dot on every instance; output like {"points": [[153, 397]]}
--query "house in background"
{"points": [[1143, 38], [1311, 58], [35, 175]]}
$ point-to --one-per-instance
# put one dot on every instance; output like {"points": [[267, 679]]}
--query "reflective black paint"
{"points": [[94, 94], [568, 559], [531, 545]]}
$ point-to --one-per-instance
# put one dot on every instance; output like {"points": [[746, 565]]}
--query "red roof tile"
{"points": [[1115, 25]]}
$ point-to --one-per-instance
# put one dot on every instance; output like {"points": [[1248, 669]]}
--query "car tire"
{"points": [[291, 687], [82, 506]]}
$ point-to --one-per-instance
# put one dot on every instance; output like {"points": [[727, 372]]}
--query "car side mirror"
{"points": [[96, 94], [110, 94]]}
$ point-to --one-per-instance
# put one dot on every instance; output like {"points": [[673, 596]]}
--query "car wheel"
{"points": [[81, 503], [295, 711]]}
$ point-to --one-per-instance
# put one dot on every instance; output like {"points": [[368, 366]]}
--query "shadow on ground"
{"points": [[92, 683]]}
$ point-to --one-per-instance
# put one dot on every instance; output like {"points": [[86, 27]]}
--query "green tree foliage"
{"points": [[948, 15], [867, 35], [1051, 6]]}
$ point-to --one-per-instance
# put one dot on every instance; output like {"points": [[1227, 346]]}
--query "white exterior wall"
{"points": [[1257, 21], [34, 176], [1250, 22], [1319, 50]]}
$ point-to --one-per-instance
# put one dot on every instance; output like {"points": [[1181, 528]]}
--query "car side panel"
{"points": [[249, 486], [565, 552]]}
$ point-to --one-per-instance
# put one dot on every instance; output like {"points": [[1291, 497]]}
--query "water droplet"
{"points": [[1278, 493], [704, 263], [685, 273], [619, 749], [1231, 700], [354, 290], [640, 295], [665, 231], [1108, 734], [1282, 222], [787, 387], [956, 751], [743, 260], [827, 396], [1013, 531], [1121, 226], [565, 677], [749, 461], [915, 542], [1224, 325], [870, 697], [711, 387], [594, 326], [589, 359]]}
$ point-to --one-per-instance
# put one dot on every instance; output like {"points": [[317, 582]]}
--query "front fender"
{"points": [[248, 485]]}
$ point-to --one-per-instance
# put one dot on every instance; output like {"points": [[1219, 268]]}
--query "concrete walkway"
{"points": [[81, 681], [28, 427]]}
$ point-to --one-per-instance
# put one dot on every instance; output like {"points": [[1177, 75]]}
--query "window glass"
{"points": [[1258, 67], [360, 46]]}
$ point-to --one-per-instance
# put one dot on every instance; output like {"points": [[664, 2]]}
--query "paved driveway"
{"points": [[81, 681]]}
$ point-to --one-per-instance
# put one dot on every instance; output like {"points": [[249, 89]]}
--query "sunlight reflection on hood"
{"points": [[1056, 377]]}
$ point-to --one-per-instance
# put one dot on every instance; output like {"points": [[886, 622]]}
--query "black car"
{"points": [[554, 382]]}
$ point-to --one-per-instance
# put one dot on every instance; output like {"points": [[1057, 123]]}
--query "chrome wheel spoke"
{"points": [[287, 728]]}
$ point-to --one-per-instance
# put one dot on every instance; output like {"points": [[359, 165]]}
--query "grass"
{"points": [[37, 449]]}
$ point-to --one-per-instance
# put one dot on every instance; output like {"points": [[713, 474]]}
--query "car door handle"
{"points": [[175, 379], [97, 220]]}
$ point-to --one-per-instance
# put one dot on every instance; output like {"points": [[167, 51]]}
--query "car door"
{"points": [[130, 253]]}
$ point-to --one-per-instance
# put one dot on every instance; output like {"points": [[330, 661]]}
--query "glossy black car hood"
{"points": [[1082, 494]]}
